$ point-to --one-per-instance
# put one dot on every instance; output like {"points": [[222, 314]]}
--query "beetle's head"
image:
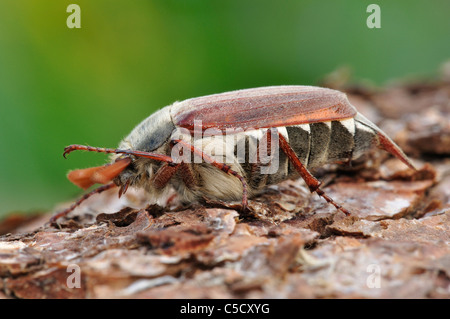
{"points": [[128, 175]]}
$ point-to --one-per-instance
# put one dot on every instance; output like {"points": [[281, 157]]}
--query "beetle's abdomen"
{"points": [[315, 145], [330, 142]]}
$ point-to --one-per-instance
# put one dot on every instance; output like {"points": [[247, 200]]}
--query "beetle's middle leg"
{"points": [[309, 179]]}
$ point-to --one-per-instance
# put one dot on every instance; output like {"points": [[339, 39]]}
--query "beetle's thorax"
{"points": [[151, 133]]}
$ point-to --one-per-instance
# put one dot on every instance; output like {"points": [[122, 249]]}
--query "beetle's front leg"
{"points": [[222, 166], [164, 174], [65, 212]]}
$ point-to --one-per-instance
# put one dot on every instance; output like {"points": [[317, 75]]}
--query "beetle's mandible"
{"points": [[186, 145]]}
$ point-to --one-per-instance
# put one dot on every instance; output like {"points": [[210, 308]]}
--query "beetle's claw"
{"points": [[67, 150], [123, 189], [244, 204]]}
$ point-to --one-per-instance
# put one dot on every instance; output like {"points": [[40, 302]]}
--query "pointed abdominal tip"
{"points": [[388, 145]]}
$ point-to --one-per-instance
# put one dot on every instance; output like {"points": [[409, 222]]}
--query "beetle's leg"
{"points": [[167, 171], [164, 174], [82, 199], [349, 160], [187, 175], [224, 167], [309, 179], [123, 189]]}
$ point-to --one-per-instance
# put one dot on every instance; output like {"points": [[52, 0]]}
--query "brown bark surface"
{"points": [[290, 244]]}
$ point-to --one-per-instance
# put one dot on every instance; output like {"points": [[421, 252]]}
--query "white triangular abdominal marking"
{"points": [[349, 124]]}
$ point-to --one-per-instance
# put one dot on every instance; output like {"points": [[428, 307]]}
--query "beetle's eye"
{"points": [[131, 167]]}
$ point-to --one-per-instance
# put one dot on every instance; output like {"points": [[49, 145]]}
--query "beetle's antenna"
{"points": [[98, 190], [158, 157]]}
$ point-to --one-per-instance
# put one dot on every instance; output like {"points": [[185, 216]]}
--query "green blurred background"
{"points": [[60, 86]]}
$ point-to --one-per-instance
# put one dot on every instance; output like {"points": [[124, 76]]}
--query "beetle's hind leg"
{"points": [[310, 180]]}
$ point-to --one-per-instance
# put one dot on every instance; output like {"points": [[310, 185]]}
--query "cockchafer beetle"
{"points": [[311, 126]]}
